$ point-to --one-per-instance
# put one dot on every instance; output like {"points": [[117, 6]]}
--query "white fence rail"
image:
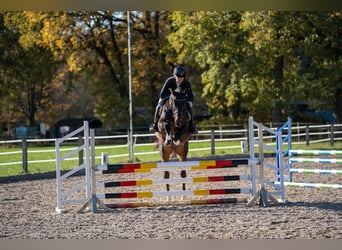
{"points": [[301, 134]]}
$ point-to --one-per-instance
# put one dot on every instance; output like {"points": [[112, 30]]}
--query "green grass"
{"points": [[34, 154]]}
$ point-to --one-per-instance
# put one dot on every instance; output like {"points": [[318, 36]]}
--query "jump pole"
{"points": [[161, 166], [315, 153]]}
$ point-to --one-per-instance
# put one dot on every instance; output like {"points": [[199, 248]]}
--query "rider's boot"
{"points": [[192, 127], [154, 125]]}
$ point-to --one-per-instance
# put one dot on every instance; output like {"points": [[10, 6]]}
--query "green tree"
{"points": [[215, 42], [300, 54], [254, 62]]}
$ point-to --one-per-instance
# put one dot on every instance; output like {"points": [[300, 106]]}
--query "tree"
{"points": [[95, 44], [301, 48], [150, 31], [27, 69], [215, 42], [254, 61]]}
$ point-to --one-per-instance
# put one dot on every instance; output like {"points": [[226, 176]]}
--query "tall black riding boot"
{"points": [[192, 126], [154, 125]]}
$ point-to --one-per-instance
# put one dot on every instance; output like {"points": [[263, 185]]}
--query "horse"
{"points": [[173, 130]]}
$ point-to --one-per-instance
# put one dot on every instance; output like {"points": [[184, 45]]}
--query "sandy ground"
{"points": [[27, 207]]}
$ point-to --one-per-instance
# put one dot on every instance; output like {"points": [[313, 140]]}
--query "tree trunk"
{"points": [[278, 88], [338, 105]]}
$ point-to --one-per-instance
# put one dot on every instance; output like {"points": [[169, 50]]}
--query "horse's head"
{"points": [[178, 106]]}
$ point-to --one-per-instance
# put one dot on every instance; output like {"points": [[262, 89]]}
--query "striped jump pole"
{"points": [[190, 202], [164, 166], [314, 152], [315, 160], [130, 183], [151, 194], [315, 171], [313, 185]]}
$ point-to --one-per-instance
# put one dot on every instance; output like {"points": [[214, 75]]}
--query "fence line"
{"points": [[301, 134]]}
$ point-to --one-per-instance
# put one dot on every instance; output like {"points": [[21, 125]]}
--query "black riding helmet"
{"points": [[179, 71]]}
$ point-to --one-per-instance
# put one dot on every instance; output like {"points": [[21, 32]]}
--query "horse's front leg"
{"points": [[168, 136], [181, 136], [176, 140]]}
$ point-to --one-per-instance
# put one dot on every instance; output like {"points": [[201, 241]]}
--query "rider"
{"points": [[177, 80]]}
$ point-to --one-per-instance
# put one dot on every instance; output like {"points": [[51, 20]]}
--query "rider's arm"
{"points": [[165, 92]]}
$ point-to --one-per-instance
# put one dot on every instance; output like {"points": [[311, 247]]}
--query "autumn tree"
{"points": [[94, 44], [27, 69], [149, 31]]}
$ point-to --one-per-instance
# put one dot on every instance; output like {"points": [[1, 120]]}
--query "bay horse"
{"points": [[173, 130]]}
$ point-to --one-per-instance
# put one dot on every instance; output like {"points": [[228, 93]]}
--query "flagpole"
{"points": [[130, 139]]}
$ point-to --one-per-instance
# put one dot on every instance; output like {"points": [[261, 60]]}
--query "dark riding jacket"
{"points": [[171, 83]]}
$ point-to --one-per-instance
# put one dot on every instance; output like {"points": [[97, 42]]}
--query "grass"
{"points": [[48, 155]]}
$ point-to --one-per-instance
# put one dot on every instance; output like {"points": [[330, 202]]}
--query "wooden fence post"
{"points": [[307, 135], [24, 151], [332, 135], [212, 137]]}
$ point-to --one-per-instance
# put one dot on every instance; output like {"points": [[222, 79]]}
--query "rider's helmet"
{"points": [[179, 71]]}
